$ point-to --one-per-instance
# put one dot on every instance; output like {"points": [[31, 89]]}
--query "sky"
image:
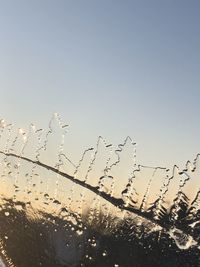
{"points": [[110, 68]]}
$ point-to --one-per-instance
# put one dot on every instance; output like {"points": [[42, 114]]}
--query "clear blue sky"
{"points": [[111, 68]]}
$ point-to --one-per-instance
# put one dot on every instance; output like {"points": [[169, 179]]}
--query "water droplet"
{"points": [[105, 253], [56, 202], [46, 196], [79, 232], [63, 212], [18, 207], [182, 240]]}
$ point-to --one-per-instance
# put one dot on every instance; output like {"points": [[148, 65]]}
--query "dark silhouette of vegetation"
{"points": [[36, 240]]}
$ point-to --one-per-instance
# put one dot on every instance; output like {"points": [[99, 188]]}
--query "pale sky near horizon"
{"points": [[111, 68]]}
